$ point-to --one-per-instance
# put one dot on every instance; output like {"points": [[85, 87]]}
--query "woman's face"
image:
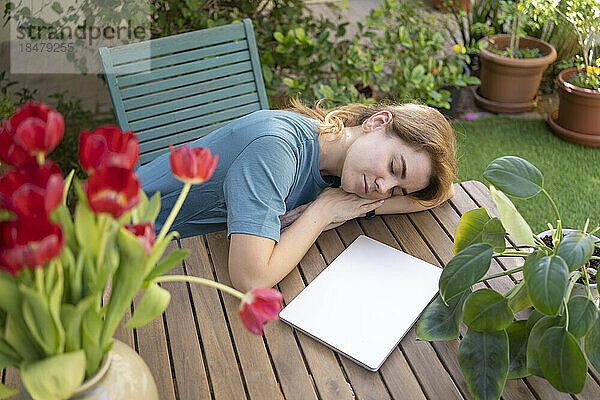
{"points": [[379, 165]]}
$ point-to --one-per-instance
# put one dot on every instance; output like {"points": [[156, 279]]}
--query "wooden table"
{"points": [[199, 349]]}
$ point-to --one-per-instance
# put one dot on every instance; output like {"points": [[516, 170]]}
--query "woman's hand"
{"points": [[338, 206]]}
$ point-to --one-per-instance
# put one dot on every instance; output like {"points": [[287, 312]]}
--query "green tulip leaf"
{"points": [[493, 233], [546, 280], [562, 360], [128, 280], [576, 249], [153, 303], [174, 257], [592, 345], [39, 321], [582, 315], [469, 228], [465, 269], [440, 321], [512, 221], [483, 359], [153, 209], [515, 176], [86, 229], [486, 310], [54, 377], [517, 345], [533, 343], [520, 300]]}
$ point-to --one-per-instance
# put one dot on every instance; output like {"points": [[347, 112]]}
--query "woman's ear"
{"points": [[377, 120]]}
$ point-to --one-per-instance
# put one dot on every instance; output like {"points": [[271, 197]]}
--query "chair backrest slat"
{"points": [[180, 58], [185, 41], [203, 110], [175, 89], [185, 80]]}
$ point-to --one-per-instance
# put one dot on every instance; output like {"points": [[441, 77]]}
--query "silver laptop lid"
{"points": [[365, 301]]}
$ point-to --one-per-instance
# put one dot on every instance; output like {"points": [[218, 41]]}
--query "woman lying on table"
{"points": [[276, 169]]}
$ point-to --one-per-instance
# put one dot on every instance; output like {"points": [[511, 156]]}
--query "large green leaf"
{"points": [[440, 321], [475, 226], [153, 303], [562, 360], [515, 176], [517, 339], [493, 233], [465, 269], [520, 300], [512, 221], [54, 377], [483, 358], [469, 228], [533, 343], [486, 310], [582, 315], [592, 345], [546, 280], [576, 249]]}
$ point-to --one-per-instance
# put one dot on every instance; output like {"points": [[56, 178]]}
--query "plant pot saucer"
{"points": [[569, 135], [500, 107]]}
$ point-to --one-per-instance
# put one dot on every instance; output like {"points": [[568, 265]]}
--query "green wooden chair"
{"points": [[175, 89]]}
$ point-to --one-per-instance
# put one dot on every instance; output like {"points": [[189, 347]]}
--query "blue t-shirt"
{"points": [[268, 164]]}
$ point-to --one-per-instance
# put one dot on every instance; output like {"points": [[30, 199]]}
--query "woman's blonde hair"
{"points": [[421, 127]]}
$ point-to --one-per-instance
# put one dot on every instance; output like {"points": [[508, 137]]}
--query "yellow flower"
{"points": [[459, 49], [519, 6], [589, 69], [596, 70], [456, 48], [463, 50]]}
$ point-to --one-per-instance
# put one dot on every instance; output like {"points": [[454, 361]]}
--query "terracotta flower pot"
{"points": [[510, 84], [578, 116], [123, 374]]}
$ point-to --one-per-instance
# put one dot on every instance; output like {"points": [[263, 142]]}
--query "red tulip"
{"points": [[107, 146], [37, 128], [112, 190], [28, 242], [144, 232], [32, 190], [259, 306], [192, 165], [10, 152]]}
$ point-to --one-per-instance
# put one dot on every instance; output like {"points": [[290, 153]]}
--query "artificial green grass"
{"points": [[571, 172]]}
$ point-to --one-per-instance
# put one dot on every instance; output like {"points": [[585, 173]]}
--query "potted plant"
{"points": [[512, 64], [577, 118], [551, 342], [57, 316]]}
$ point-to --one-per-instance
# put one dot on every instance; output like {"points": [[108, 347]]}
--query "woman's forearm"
{"points": [[293, 244], [406, 204]]}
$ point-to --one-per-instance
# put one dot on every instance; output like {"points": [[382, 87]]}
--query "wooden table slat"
{"points": [[220, 356], [366, 384], [322, 363], [153, 347], [258, 372], [185, 347]]}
